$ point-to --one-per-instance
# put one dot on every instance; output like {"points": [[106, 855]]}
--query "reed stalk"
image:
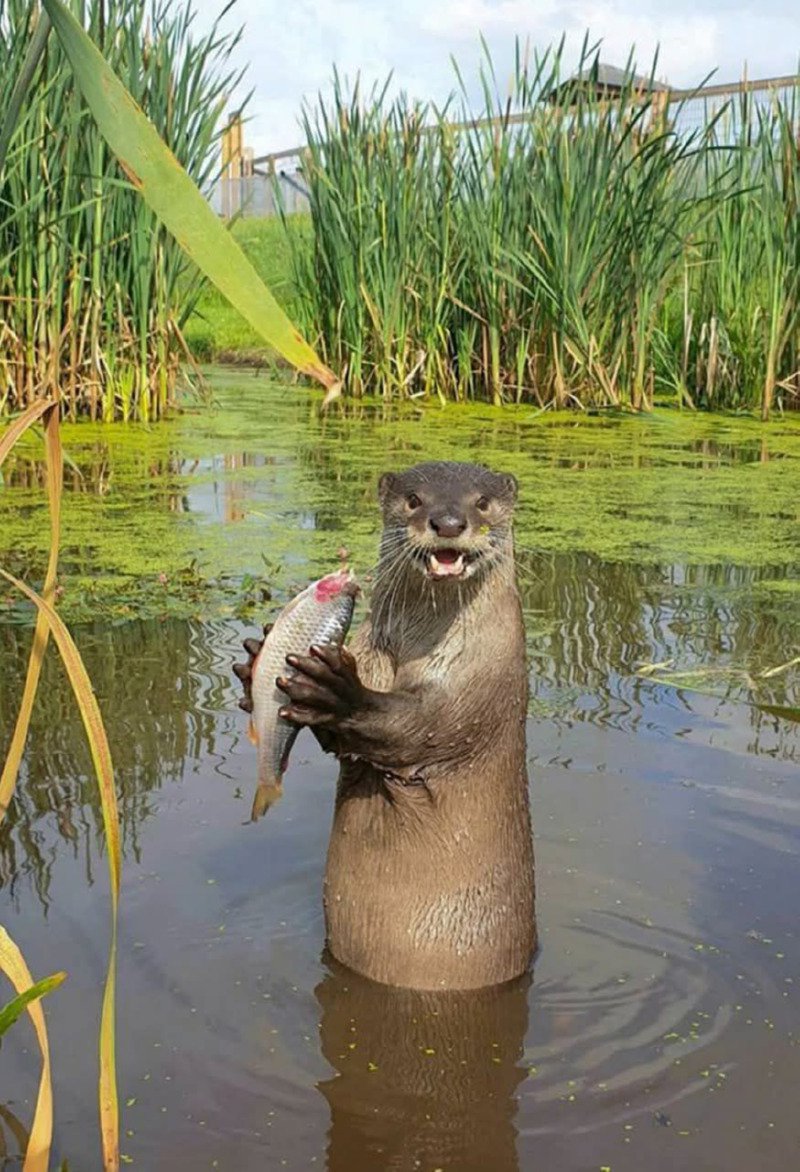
{"points": [[562, 249], [92, 286]]}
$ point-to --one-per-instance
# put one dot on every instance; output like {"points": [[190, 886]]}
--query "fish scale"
{"points": [[320, 614]]}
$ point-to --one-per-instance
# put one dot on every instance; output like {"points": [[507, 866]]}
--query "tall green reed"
{"points": [[94, 291], [554, 246], [740, 323]]}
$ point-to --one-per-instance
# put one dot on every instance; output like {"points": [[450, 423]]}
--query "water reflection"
{"points": [[216, 486], [13, 1137], [667, 817], [666, 834], [160, 687], [591, 626], [423, 1080]]}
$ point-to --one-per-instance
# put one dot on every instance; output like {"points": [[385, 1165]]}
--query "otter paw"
{"points": [[244, 671], [324, 689]]}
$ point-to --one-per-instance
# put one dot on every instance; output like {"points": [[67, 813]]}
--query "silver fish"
{"points": [[320, 614]]}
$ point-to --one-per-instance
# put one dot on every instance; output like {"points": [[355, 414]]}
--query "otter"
{"points": [[434, 1078], [430, 874]]}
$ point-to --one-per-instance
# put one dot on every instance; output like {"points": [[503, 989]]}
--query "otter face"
{"points": [[453, 520]]}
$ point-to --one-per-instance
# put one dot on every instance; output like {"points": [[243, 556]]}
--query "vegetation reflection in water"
{"points": [[671, 540], [225, 924], [643, 982], [592, 625]]}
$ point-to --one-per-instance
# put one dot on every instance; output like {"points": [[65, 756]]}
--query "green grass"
{"points": [[215, 331]]}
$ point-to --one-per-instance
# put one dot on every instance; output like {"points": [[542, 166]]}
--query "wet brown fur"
{"points": [[429, 880]]}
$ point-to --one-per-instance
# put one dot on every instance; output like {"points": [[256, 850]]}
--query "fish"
{"points": [[321, 614]]}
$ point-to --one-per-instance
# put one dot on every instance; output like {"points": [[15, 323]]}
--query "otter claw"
{"points": [[244, 671]]}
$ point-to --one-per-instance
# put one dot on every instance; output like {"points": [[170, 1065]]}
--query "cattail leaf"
{"points": [[55, 463], [101, 757], [17, 1006], [153, 170], [12, 963]]}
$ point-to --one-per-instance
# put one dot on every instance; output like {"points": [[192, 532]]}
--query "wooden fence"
{"points": [[258, 185]]}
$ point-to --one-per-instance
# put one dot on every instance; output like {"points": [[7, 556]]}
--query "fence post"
{"points": [[232, 165]]}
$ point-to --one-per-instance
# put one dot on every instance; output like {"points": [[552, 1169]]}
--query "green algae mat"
{"points": [[220, 509]]}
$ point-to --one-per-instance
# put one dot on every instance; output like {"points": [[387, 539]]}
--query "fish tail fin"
{"points": [[268, 791]]}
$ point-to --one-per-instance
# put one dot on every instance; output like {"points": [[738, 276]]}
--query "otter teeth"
{"points": [[446, 569]]}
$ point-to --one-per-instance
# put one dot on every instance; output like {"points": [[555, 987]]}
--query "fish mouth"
{"points": [[447, 562]]}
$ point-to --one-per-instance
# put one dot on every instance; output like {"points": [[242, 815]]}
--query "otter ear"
{"points": [[510, 484], [386, 485]]}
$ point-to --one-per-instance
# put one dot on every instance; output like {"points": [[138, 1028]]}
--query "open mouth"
{"points": [[448, 563]]}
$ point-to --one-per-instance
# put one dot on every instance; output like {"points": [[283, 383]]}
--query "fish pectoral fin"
{"points": [[252, 736]]}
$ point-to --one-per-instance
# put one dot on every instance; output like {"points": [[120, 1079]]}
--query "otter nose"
{"points": [[448, 524]]}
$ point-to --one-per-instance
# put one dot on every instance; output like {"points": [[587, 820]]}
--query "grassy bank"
{"points": [[215, 332]]}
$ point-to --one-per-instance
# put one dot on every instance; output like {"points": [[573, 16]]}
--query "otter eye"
{"points": [[413, 501], [482, 503]]}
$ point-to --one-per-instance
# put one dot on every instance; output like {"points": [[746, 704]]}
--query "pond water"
{"points": [[661, 1024]]}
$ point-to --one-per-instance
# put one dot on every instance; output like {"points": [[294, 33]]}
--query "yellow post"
{"points": [[231, 164]]}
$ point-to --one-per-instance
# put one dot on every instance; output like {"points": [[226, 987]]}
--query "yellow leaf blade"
{"points": [[37, 1156], [101, 757], [20, 425], [55, 463]]}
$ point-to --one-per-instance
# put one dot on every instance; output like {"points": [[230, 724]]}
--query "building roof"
{"points": [[604, 78]]}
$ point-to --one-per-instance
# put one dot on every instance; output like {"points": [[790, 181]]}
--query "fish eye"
{"points": [[413, 501], [482, 503]]}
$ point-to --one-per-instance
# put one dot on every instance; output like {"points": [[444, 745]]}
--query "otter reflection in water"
{"points": [[424, 1079], [429, 881]]}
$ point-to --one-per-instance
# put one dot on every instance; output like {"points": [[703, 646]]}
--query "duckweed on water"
{"points": [[215, 511]]}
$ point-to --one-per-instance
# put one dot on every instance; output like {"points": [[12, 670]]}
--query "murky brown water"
{"points": [[661, 1025]]}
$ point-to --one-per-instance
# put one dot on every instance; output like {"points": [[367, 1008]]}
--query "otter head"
{"points": [[452, 521]]}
